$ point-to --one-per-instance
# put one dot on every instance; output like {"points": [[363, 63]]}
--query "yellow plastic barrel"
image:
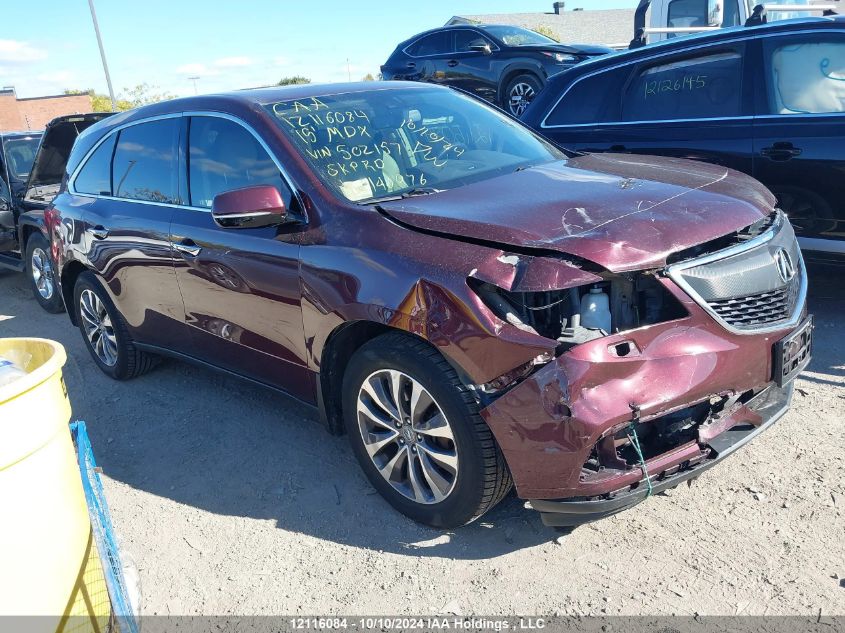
{"points": [[49, 564]]}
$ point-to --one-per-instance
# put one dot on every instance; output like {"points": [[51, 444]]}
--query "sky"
{"points": [[47, 46]]}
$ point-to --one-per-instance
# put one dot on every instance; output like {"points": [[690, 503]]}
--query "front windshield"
{"points": [[20, 154], [394, 141], [518, 36]]}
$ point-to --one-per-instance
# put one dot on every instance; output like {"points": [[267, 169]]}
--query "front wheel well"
{"points": [[70, 273], [513, 73]]}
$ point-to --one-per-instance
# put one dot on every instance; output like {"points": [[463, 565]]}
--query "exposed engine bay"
{"points": [[576, 315]]}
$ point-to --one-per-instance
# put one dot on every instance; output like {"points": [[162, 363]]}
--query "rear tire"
{"points": [[104, 331], [431, 456], [39, 269]]}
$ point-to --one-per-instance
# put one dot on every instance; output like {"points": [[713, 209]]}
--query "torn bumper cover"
{"points": [[770, 404], [699, 390]]}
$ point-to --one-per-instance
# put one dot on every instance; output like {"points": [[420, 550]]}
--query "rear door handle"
{"points": [[411, 65], [100, 232], [188, 247], [452, 63], [782, 150]]}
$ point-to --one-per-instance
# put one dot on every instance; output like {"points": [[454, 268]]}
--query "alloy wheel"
{"points": [[98, 328], [42, 273], [520, 96], [407, 436]]}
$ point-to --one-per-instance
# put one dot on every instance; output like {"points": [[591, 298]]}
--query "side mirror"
{"points": [[249, 208], [481, 48], [715, 12]]}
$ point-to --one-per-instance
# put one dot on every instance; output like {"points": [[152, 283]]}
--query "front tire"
{"points": [[416, 432], [520, 92], [105, 333], [39, 268]]}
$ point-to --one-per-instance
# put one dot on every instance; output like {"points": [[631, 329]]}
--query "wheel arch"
{"points": [[514, 71], [340, 347], [70, 273]]}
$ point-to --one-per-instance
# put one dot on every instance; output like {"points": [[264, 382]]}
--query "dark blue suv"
{"points": [[766, 100], [506, 65]]}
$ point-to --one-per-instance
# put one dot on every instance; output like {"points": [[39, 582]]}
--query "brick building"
{"points": [[34, 113]]}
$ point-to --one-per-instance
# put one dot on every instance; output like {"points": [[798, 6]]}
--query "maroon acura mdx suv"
{"points": [[472, 305]]}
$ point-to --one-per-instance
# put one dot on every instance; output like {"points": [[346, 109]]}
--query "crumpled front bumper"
{"points": [[770, 404], [549, 424]]}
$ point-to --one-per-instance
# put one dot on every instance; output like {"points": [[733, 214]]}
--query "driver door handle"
{"points": [[100, 232], [782, 150], [452, 63], [187, 247]]}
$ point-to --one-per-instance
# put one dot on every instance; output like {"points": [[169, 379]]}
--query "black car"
{"points": [[32, 165], [766, 100], [506, 65]]}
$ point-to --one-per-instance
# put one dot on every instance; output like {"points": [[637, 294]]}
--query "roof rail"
{"points": [[820, 8]]}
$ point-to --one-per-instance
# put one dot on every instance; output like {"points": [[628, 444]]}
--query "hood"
{"points": [[53, 152], [620, 211], [572, 49]]}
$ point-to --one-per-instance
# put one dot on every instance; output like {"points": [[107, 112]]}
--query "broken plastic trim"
{"points": [[635, 300]]}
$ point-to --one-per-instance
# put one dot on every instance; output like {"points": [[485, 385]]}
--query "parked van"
{"points": [[670, 18]]}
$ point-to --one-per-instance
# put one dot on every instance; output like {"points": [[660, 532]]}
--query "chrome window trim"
{"points": [[451, 30], [735, 40], [189, 113], [674, 273]]}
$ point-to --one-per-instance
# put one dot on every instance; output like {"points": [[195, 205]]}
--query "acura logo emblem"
{"points": [[786, 267]]}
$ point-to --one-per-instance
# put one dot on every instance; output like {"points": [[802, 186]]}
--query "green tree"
{"points": [[368, 77], [293, 81], [547, 31], [142, 94]]}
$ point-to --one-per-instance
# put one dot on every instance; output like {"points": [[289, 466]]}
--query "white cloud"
{"points": [[17, 52], [192, 69], [233, 62], [57, 77]]}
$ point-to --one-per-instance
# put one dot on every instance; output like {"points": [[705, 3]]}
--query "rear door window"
{"points": [[806, 75], [439, 43], [95, 176], [223, 156], [145, 165], [701, 87], [594, 99]]}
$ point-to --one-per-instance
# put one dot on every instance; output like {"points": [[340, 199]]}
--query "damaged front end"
{"points": [[656, 376]]}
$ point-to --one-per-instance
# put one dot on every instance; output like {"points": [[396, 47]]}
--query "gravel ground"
{"points": [[233, 501]]}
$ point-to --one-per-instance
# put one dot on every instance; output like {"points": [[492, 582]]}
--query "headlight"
{"points": [[561, 58]]}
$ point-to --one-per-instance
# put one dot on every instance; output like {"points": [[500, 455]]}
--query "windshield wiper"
{"points": [[412, 193]]}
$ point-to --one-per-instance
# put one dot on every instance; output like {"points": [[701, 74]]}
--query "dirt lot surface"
{"points": [[233, 501]]}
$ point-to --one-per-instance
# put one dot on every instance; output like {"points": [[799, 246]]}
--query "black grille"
{"points": [[744, 286], [762, 309]]}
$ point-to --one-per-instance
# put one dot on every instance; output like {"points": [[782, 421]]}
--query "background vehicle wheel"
{"points": [[519, 92], [39, 267], [416, 432], [104, 331]]}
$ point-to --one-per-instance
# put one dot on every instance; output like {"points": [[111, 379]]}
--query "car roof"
{"points": [[240, 101], [697, 39]]}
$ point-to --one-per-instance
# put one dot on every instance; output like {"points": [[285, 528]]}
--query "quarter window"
{"points": [[145, 162], [806, 76], [434, 44], [95, 176], [594, 99], [698, 88], [223, 156]]}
